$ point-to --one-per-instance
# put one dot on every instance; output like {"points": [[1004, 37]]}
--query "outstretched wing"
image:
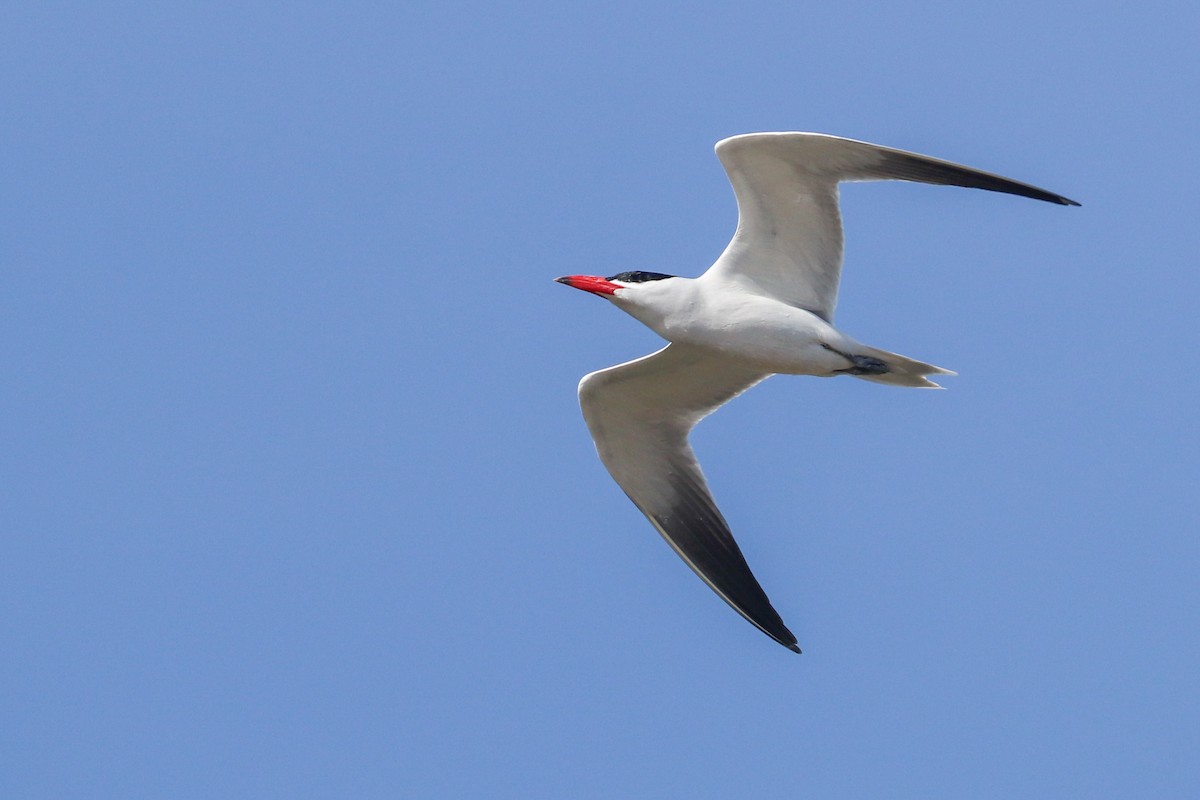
{"points": [[788, 242], [640, 414]]}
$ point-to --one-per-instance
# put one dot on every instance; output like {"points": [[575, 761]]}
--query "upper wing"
{"points": [[640, 414], [788, 242]]}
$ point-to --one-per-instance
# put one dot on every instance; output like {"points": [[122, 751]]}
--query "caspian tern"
{"points": [[765, 307]]}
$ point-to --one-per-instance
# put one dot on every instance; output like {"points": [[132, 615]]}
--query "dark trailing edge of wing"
{"points": [[695, 528], [911, 167]]}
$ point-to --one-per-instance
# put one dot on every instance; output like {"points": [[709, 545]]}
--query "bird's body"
{"points": [[750, 328], [765, 307], [753, 328]]}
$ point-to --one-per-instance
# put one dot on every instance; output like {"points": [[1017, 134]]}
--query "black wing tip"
{"points": [[1051, 197], [1032, 192], [900, 165], [782, 635]]}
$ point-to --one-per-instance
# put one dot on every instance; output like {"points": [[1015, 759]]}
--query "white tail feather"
{"points": [[903, 371]]}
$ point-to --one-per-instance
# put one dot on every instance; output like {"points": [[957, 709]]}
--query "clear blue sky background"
{"points": [[297, 500]]}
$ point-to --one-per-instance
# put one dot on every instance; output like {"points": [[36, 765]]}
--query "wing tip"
{"points": [[1051, 197], [780, 634]]}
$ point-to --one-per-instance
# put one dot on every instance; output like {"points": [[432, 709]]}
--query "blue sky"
{"points": [[296, 496]]}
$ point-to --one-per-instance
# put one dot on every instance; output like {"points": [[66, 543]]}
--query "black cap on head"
{"points": [[637, 276]]}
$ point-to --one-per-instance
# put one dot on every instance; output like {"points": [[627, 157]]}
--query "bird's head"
{"points": [[622, 286], [649, 297]]}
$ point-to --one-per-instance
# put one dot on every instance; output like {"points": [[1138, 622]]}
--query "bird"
{"points": [[765, 307]]}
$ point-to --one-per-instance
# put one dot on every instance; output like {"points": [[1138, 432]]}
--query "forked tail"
{"points": [[902, 371]]}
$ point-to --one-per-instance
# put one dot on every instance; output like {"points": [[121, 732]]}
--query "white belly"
{"points": [[772, 335]]}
